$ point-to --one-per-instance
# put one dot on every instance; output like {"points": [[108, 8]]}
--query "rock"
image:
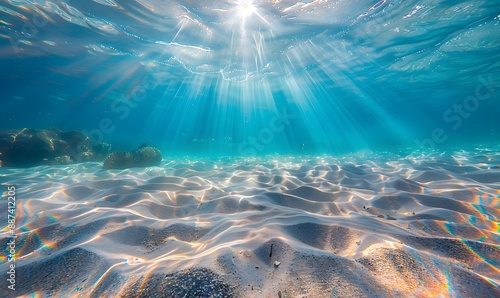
{"points": [[142, 157], [102, 149], [31, 147], [194, 282], [119, 160], [147, 157], [276, 263], [63, 160]]}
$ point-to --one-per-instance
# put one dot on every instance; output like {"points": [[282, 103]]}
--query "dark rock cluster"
{"points": [[191, 283], [32, 147], [142, 157]]}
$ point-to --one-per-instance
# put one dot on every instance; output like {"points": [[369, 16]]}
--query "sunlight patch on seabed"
{"points": [[235, 225]]}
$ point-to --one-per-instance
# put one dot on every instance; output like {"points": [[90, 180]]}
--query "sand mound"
{"points": [[420, 226]]}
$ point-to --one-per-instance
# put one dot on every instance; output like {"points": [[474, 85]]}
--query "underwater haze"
{"points": [[247, 77]]}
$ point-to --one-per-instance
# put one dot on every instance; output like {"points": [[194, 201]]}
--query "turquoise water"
{"points": [[255, 77]]}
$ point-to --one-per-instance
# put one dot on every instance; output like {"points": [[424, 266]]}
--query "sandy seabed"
{"points": [[364, 225]]}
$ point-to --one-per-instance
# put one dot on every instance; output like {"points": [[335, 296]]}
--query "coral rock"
{"points": [[142, 157], [31, 147]]}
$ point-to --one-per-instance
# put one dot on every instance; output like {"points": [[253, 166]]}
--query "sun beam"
{"points": [[245, 8]]}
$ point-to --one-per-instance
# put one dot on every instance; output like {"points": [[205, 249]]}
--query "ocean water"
{"points": [[204, 78], [360, 139]]}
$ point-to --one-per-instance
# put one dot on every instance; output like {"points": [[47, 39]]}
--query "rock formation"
{"points": [[31, 147], [142, 157]]}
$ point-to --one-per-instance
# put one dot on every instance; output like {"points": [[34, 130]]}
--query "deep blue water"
{"points": [[255, 77]]}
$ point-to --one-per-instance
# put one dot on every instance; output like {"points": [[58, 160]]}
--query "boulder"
{"points": [[31, 147], [142, 157]]}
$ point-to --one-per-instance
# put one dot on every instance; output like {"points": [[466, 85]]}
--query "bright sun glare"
{"points": [[245, 8]]}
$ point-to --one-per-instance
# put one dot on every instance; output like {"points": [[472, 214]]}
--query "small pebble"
{"points": [[276, 263]]}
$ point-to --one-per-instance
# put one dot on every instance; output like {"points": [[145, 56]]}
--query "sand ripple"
{"points": [[419, 225]]}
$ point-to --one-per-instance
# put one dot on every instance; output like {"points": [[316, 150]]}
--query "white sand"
{"points": [[356, 226]]}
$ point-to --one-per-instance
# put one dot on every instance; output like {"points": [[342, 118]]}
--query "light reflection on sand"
{"points": [[417, 225]]}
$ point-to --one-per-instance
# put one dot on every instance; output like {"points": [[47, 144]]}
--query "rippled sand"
{"points": [[352, 226]]}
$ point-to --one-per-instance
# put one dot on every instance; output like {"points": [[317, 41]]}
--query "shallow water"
{"points": [[355, 143], [208, 78]]}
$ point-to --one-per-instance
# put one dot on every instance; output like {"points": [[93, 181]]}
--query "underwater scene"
{"points": [[249, 148]]}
